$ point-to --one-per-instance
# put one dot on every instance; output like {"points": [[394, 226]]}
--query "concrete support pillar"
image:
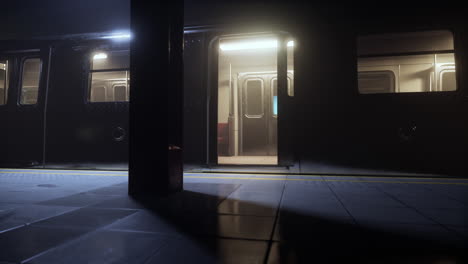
{"points": [[156, 106]]}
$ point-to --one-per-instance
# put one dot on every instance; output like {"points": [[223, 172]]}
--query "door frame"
{"points": [[284, 142]]}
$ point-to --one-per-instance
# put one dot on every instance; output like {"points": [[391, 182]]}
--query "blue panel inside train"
{"points": [[275, 105]]}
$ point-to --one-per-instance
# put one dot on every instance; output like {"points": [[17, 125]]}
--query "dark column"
{"points": [[155, 164]]}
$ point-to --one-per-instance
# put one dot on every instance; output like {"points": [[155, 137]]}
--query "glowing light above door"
{"points": [[257, 44]]}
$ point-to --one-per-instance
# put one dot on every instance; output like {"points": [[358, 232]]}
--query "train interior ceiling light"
{"points": [[100, 56], [252, 44]]}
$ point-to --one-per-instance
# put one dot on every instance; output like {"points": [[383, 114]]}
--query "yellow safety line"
{"points": [[243, 174], [40, 169], [325, 176], [325, 180], [61, 173]]}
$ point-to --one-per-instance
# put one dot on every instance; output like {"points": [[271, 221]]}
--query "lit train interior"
{"points": [[110, 76], [248, 99], [247, 83], [417, 62]]}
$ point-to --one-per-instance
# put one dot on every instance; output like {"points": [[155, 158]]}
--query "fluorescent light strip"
{"points": [[260, 44], [119, 36], [100, 56]]}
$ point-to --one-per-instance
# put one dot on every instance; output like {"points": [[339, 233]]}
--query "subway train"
{"points": [[394, 101], [251, 97]]}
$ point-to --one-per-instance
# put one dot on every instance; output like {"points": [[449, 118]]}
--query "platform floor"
{"points": [[51, 216], [248, 160]]}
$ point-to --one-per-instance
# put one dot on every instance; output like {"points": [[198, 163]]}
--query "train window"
{"points": [[109, 77], [254, 98], [406, 62], [3, 81], [30, 81]]}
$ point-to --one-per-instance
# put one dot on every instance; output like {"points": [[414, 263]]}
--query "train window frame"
{"points": [[21, 80], [431, 92], [6, 82], [90, 55]]}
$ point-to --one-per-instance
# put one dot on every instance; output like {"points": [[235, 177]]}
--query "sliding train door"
{"points": [[23, 87], [256, 115]]}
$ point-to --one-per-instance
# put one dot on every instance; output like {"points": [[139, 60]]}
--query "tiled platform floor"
{"points": [[86, 217]]}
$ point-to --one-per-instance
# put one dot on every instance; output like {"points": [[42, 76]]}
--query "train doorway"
{"points": [[247, 125]]}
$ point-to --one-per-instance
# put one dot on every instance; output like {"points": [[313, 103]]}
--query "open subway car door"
{"points": [[252, 89]]}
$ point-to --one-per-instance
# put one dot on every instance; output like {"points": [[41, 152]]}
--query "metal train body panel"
{"points": [[411, 121], [63, 127]]}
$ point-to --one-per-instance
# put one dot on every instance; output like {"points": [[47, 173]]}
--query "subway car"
{"points": [[64, 101], [336, 93]]}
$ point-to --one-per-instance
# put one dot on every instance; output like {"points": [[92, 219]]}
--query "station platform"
{"points": [[71, 216]]}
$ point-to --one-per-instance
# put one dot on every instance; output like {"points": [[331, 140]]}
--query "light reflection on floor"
{"points": [[51, 216]]}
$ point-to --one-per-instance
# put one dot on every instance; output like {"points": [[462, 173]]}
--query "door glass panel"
{"points": [[254, 98], [3, 81], [98, 94], [30, 81], [120, 93]]}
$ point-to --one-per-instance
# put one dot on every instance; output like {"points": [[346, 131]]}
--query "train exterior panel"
{"points": [[62, 112], [387, 95], [314, 87]]}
